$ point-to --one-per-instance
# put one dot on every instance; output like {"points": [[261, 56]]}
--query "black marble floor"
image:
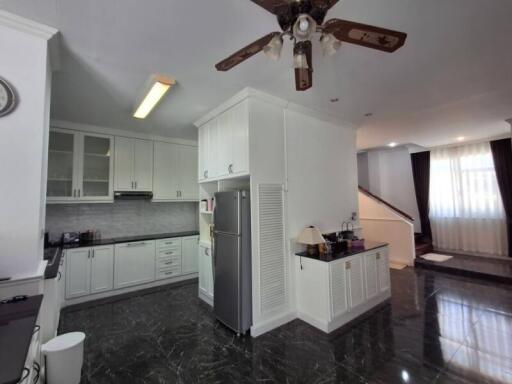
{"points": [[436, 328], [492, 269]]}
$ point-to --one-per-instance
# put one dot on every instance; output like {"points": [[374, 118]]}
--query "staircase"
{"points": [[423, 244]]}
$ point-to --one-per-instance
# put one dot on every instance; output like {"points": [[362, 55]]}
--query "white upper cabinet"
{"points": [[239, 152], [133, 164], [143, 165], [224, 144], [203, 152], [175, 172], [80, 166]]}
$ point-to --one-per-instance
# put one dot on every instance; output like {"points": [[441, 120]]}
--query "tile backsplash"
{"points": [[122, 218]]}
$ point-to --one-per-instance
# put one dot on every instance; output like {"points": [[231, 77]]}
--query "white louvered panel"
{"points": [[338, 289], [273, 268]]}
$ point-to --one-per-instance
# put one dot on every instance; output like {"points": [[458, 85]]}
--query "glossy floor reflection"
{"points": [[436, 329]]}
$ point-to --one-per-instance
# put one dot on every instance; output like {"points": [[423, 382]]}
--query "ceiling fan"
{"points": [[300, 20]]}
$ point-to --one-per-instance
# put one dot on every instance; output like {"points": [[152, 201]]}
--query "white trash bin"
{"points": [[64, 356]]}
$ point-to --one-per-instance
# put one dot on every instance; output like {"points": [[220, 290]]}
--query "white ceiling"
{"points": [[452, 78]]}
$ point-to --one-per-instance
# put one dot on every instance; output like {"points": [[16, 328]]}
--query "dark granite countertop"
{"points": [[17, 325], [129, 239], [53, 255], [368, 246]]}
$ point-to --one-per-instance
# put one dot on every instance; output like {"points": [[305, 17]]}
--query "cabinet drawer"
{"points": [[166, 243], [168, 262], [169, 252], [165, 273]]}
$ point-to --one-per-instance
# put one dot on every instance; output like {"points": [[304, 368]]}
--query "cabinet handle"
{"points": [[168, 263], [205, 174], [92, 253], [132, 184], [89, 254], [134, 244], [59, 276], [230, 168], [206, 252], [378, 256], [37, 368], [135, 185], [169, 243], [169, 253], [74, 192], [169, 273], [348, 265]]}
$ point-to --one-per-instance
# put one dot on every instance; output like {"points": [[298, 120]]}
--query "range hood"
{"points": [[130, 195]]}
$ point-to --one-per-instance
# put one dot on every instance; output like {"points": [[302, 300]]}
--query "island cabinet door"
{"points": [[371, 271], [355, 278], [383, 269], [338, 287]]}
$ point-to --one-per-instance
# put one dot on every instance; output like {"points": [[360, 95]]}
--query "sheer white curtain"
{"points": [[466, 210]]}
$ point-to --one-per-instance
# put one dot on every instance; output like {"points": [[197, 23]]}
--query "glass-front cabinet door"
{"points": [[80, 166], [61, 165], [96, 167]]}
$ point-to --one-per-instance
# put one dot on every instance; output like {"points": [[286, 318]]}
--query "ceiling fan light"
{"points": [[300, 61], [304, 27], [330, 44], [274, 48]]}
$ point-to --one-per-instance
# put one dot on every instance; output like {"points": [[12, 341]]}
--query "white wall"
{"points": [[390, 178], [363, 176], [380, 223], [321, 172], [23, 134]]}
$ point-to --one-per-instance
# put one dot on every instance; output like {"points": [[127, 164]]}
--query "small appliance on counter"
{"points": [[70, 238]]}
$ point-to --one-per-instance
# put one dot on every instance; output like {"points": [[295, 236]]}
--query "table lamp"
{"points": [[311, 236]]}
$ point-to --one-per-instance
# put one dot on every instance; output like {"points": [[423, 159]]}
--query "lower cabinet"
{"points": [[330, 294], [383, 270], [355, 280], [189, 255], [205, 272], [100, 269], [135, 263], [89, 270]]}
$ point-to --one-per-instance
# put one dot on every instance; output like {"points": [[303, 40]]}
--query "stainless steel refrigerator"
{"points": [[232, 298]]}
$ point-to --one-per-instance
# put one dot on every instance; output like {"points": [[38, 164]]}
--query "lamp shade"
{"points": [[311, 236]]}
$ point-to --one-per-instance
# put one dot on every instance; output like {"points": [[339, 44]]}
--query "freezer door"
{"points": [[226, 300], [227, 212]]}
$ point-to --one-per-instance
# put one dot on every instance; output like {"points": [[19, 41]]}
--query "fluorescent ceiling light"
{"points": [[461, 138], [392, 145], [158, 88]]}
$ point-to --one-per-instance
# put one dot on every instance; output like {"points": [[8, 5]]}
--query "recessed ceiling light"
{"points": [[158, 87], [368, 114], [392, 144], [461, 138], [335, 100]]}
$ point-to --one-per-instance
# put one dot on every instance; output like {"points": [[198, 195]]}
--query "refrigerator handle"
{"points": [[213, 261]]}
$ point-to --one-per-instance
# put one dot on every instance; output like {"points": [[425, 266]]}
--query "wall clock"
{"points": [[7, 98]]}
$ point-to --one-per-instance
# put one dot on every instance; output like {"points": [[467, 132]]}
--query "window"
{"points": [[466, 209]]}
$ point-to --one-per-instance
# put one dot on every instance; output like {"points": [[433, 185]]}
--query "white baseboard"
{"points": [[207, 299], [272, 323], [323, 326]]}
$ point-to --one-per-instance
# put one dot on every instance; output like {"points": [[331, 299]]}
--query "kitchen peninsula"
{"points": [[334, 289]]}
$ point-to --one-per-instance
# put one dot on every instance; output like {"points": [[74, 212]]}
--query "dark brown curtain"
{"points": [[421, 173], [502, 154]]}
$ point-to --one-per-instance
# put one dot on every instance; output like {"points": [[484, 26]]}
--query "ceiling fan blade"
{"points": [[304, 76], [369, 36], [245, 53], [277, 7], [324, 4]]}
